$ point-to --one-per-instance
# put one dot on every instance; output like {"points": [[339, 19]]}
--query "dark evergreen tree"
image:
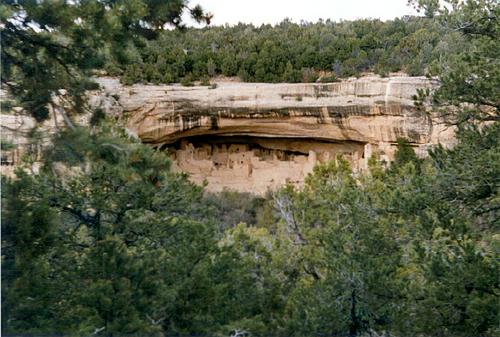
{"points": [[48, 46]]}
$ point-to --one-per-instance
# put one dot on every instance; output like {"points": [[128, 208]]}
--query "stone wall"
{"points": [[252, 164]]}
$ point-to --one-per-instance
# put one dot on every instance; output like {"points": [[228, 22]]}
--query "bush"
{"points": [[205, 81], [187, 81], [329, 79]]}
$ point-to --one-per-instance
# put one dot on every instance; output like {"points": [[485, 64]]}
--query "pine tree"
{"points": [[351, 256], [69, 41], [104, 238]]}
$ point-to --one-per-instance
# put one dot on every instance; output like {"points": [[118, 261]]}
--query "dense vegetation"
{"points": [[291, 52], [119, 245], [104, 240]]}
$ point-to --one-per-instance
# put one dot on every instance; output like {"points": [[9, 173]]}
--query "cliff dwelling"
{"points": [[255, 137], [257, 164]]}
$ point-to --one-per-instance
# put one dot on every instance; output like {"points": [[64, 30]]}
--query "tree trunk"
{"points": [[354, 326]]}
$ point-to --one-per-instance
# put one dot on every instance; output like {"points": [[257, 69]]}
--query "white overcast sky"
{"points": [[274, 11]]}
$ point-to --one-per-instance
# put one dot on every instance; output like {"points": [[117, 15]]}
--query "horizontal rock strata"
{"points": [[257, 136], [253, 137]]}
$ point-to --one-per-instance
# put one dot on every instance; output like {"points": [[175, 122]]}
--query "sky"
{"points": [[274, 11]]}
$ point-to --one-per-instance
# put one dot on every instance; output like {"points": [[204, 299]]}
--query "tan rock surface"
{"points": [[257, 136]]}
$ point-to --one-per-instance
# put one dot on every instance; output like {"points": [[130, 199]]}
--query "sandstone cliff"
{"points": [[257, 136]]}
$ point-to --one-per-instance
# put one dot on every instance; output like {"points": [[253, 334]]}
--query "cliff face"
{"points": [[253, 137], [256, 136]]}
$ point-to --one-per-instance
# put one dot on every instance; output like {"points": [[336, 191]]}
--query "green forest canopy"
{"points": [[290, 52]]}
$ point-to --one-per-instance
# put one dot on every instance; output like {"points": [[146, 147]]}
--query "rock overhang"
{"points": [[162, 114], [255, 136], [282, 129]]}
